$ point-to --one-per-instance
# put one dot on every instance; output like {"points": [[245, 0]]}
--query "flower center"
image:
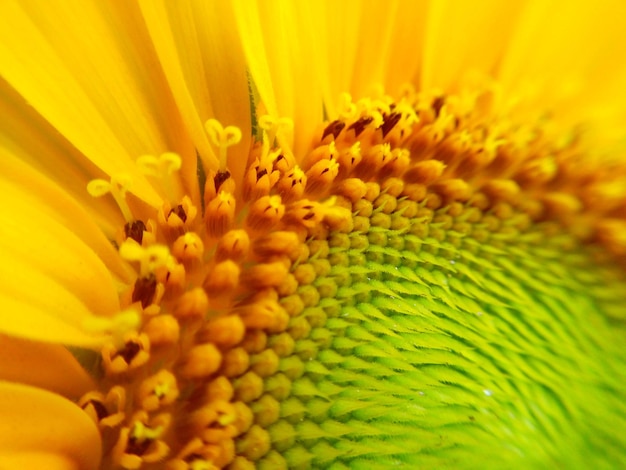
{"points": [[416, 289]]}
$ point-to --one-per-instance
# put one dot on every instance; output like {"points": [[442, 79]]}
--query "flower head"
{"points": [[312, 235]]}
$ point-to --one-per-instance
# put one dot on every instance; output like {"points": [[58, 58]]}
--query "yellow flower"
{"points": [[312, 234]]}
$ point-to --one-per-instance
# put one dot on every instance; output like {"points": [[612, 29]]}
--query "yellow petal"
{"points": [[465, 36], [568, 55], [202, 59], [48, 366], [279, 53], [37, 237], [41, 428], [90, 72]]}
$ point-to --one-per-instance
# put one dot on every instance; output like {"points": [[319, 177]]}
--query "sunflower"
{"points": [[312, 235]]}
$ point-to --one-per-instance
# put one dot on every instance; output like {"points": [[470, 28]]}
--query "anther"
{"points": [[349, 158], [234, 245], [291, 185], [133, 354], [106, 411], [334, 129], [222, 138], [144, 290], [188, 247], [265, 213], [117, 186], [178, 216], [135, 230], [220, 214], [320, 176]]}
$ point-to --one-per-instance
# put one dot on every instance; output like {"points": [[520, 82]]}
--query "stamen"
{"points": [[222, 138], [274, 132], [150, 258], [117, 186], [161, 167], [116, 327]]}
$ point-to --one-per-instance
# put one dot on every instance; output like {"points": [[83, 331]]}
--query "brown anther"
{"points": [[178, 216], [259, 179], [105, 411], [292, 184], [144, 290], [98, 408], [264, 275], [222, 279], [188, 247], [135, 230], [220, 214], [437, 104], [219, 178], [134, 353], [320, 176], [225, 332], [360, 125], [163, 330], [282, 164], [179, 211], [389, 122], [304, 212], [334, 129], [233, 245], [265, 213], [192, 304], [158, 391]]}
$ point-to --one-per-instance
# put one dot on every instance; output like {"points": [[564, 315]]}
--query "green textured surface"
{"points": [[458, 353]]}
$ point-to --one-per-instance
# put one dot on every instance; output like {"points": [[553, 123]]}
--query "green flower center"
{"points": [[429, 287]]}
